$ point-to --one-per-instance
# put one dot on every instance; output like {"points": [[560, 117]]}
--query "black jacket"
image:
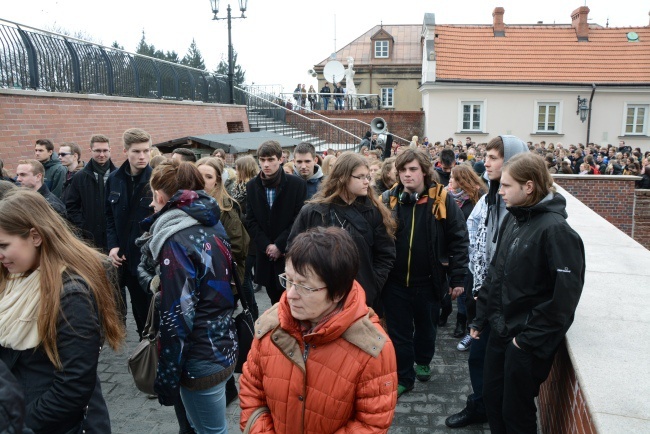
{"points": [[12, 404], [54, 175], [85, 208], [447, 238], [123, 217], [535, 279], [56, 400], [364, 222], [267, 225], [54, 201]]}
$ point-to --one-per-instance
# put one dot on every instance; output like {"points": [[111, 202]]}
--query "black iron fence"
{"points": [[41, 60]]}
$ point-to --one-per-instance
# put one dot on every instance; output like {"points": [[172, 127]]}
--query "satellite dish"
{"points": [[334, 71]]}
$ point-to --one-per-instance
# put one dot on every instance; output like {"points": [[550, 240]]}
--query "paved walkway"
{"points": [[420, 411]]}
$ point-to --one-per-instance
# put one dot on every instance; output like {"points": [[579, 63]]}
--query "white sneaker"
{"points": [[464, 343]]}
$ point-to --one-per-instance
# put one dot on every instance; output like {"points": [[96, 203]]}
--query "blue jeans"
{"points": [[460, 304], [326, 101], [206, 409], [338, 103], [412, 322]]}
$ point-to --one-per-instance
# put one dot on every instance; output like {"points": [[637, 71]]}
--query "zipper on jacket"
{"points": [[408, 267], [305, 354]]}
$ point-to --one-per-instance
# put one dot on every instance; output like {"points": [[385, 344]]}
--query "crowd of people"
{"points": [[361, 254]]}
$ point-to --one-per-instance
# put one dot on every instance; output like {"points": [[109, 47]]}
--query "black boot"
{"points": [[444, 314], [466, 416], [461, 323]]}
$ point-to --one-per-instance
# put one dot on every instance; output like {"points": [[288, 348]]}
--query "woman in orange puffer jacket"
{"points": [[320, 362]]}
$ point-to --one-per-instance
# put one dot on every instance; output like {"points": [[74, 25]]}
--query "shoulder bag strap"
{"points": [[254, 416]]}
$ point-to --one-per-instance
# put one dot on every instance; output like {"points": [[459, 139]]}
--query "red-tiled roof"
{"points": [[406, 48], [542, 53]]}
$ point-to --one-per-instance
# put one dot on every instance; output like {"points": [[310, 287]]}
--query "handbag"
{"points": [[143, 362], [254, 416], [244, 324]]}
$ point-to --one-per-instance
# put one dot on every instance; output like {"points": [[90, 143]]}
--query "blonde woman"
{"points": [[247, 169], [211, 169], [56, 308], [328, 164]]}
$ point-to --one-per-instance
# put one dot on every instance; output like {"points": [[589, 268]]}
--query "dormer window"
{"points": [[382, 41], [381, 49]]}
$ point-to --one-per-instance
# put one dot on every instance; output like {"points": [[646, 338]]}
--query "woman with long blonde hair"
{"points": [[346, 200], [56, 308], [211, 169]]}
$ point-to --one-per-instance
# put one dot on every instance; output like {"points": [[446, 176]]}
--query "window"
{"points": [[387, 97], [472, 115], [381, 48], [548, 117], [636, 119]]}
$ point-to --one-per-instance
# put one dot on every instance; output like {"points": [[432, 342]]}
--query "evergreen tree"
{"points": [[239, 76], [116, 45], [144, 48], [193, 57], [172, 56]]}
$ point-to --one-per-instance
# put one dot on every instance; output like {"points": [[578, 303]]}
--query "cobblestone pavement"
{"points": [[423, 410]]}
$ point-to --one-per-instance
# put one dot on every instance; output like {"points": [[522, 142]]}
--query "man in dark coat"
{"points": [[30, 174], [418, 280], [86, 195], [128, 203], [55, 172], [274, 201], [530, 294]]}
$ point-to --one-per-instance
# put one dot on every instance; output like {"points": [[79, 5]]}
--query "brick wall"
{"points": [[612, 197], [27, 116], [562, 408], [641, 231], [405, 124]]}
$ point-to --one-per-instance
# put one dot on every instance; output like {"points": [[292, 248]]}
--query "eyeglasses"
{"points": [[302, 290], [361, 178], [101, 151], [64, 154]]}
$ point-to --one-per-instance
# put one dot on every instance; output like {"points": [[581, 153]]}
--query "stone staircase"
{"points": [[259, 121]]}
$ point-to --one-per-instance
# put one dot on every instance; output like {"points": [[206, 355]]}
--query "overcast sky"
{"points": [[280, 40]]}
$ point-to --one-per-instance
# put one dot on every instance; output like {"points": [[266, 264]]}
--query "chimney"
{"points": [[497, 22], [579, 22]]}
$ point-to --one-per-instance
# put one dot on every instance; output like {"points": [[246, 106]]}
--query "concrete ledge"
{"points": [[101, 97], [606, 343], [597, 177]]}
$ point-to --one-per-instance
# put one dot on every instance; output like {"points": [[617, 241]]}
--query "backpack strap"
{"points": [[438, 194]]}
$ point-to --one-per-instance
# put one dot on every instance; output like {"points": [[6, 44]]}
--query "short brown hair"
{"points": [[496, 143], [74, 149], [305, 148], [186, 154], [413, 154], [270, 148], [135, 135], [47, 143], [37, 166], [530, 167], [331, 254], [219, 152], [98, 138]]}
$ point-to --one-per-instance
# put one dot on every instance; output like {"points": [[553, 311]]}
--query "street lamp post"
{"points": [[229, 17]]}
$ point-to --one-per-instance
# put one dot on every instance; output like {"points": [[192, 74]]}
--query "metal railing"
{"points": [[295, 124], [365, 101], [42, 60], [356, 127]]}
